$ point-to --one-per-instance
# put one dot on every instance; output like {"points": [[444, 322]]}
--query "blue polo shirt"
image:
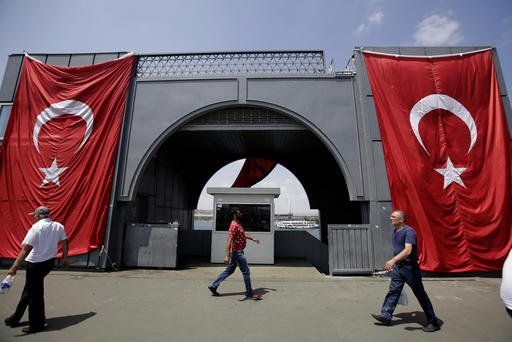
{"points": [[400, 238]]}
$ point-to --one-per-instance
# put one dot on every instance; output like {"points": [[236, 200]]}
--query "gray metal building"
{"points": [[188, 115]]}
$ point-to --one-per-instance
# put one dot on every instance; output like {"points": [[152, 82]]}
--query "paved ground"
{"points": [[299, 304]]}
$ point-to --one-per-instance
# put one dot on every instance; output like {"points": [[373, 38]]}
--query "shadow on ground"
{"points": [[417, 317], [59, 323]]}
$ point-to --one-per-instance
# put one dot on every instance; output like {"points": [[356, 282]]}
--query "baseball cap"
{"points": [[43, 211]]}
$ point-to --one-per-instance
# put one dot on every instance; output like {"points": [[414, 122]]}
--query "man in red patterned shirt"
{"points": [[235, 245]]}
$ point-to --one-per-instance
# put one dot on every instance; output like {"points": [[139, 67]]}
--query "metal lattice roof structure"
{"points": [[231, 63]]}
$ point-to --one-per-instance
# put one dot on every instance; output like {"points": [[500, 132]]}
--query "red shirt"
{"points": [[237, 233]]}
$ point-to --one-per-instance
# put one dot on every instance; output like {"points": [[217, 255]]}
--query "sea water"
{"points": [[208, 225]]}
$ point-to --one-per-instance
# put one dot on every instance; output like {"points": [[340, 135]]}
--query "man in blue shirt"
{"points": [[405, 269]]}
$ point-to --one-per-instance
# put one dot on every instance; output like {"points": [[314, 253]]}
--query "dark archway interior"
{"points": [[177, 173]]}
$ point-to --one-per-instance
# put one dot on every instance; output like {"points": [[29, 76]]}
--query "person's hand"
{"points": [[226, 260], [12, 271], [257, 241], [389, 264]]}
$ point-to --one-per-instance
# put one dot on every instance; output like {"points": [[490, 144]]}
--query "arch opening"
{"points": [[291, 206], [172, 181]]}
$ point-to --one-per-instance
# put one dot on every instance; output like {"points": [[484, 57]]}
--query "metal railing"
{"points": [[232, 63]]}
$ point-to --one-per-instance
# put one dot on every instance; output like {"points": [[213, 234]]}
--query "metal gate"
{"points": [[350, 249]]}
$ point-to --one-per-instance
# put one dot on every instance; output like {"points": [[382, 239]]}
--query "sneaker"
{"points": [[382, 319], [213, 290], [431, 327], [255, 296]]}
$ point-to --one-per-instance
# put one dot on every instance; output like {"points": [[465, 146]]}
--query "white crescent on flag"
{"points": [[440, 101], [72, 107]]}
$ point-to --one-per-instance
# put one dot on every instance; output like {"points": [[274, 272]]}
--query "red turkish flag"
{"points": [[60, 148], [448, 156], [253, 170]]}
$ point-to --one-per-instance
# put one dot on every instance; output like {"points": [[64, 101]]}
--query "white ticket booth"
{"points": [[257, 208]]}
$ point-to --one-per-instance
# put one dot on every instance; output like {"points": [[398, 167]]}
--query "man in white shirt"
{"points": [[39, 249], [506, 284]]}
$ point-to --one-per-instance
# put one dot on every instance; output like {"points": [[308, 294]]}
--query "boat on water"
{"points": [[295, 224]]}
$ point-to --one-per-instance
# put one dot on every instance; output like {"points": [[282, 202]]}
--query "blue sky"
{"points": [[159, 26]]}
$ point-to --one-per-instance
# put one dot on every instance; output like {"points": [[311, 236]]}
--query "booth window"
{"points": [[255, 217], [5, 111]]}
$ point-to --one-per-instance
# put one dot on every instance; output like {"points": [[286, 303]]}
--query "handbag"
{"points": [[402, 300]]}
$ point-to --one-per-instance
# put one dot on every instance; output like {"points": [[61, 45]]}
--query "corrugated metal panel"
{"points": [[350, 249], [151, 245]]}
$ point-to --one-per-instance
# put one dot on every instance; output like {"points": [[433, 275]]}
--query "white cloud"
{"points": [[374, 19], [361, 28], [438, 30]]}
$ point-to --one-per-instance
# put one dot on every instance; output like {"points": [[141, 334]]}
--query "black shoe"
{"points": [[10, 323], [382, 319], [213, 290], [431, 327]]}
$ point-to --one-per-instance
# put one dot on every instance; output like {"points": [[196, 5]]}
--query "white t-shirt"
{"points": [[506, 282], [44, 237]]}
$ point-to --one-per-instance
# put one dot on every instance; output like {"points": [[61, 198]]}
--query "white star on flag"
{"points": [[52, 173], [451, 174]]}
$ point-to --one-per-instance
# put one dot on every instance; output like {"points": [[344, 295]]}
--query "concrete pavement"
{"points": [[299, 304]]}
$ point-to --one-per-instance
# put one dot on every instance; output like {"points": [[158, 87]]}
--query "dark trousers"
{"points": [[33, 294], [410, 275]]}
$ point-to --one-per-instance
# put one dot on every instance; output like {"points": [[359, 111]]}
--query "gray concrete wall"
{"points": [[325, 105]]}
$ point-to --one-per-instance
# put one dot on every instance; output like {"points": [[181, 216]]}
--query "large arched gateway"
{"points": [[186, 157], [188, 115]]}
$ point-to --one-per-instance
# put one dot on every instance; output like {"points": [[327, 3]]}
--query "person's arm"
{"points": [[21, 257], [64, 262], [228, 249], [250, 237], [400, 256]]}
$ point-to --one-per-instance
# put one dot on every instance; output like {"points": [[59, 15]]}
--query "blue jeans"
{"points": [[236, 258], [410, 274]]}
